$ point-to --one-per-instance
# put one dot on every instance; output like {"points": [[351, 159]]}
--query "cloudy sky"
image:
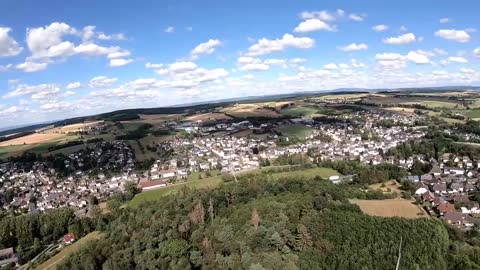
{"points": [[62, 59]]}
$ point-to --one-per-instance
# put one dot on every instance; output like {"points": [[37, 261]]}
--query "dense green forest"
{"points": [[260, 224]]}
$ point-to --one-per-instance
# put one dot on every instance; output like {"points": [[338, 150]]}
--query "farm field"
{"points": [[436, 104], [299, 111], [7, 150], [401, 110], [68, 250], [324, 173], [295, 130], [208, 117], [73, 127], [390, 208], [35, 138], [251, 110]]}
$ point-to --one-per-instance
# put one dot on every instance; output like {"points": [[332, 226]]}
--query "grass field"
{"points": [[251, 110], [35, 138], [436, 104], [295, 130], [42, 147], [390, 208], [73, 127], [401, 110], [392, 185], [58, 258], [299, 111], [472, 113], [161, 192], [214, 181], [208, 117]]}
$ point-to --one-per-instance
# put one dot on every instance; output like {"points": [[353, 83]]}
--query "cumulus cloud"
{"points": [[118, 36], [205, 48], [118, 54], [41, 39], [31, 66], [37, 90], [8, 45], [102, 82], [330, 66], [119, 62], [454, 35], [418, 57], [312, 25], [267, 46], [254, 67], [183, 66], [153, 66], [6, 67], [476, 52], [380, 28], [354, 47], [322, 15], [400, 40], [74, 85], [457, 59], [356, 17], [444, 20], [169, 29]]}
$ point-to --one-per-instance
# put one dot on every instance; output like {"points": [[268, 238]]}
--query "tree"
{"points": [[198, 213], [130, 190], [255, 219], [303, 240], [211, 210]]}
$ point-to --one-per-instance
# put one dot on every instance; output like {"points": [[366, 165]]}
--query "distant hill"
{"points": [[191, 107]]}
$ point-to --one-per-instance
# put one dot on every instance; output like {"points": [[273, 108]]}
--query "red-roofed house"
{"points": [[69, 238], [149, 185]]}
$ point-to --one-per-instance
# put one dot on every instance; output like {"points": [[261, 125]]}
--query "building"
{"points": [[150, 185], [7, 256], [69, 238]]}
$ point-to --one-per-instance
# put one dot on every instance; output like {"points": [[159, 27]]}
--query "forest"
{"points": [[260, 224]]}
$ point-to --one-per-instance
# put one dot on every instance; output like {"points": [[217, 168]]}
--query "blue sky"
{"points": [[61, 59]]}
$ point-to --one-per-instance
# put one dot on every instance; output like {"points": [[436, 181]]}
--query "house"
{"points": [[149, 185], [445, 207], [412, 178], [453, 170], [453, 218], [421, 191], [7, 257], [167, 173], [69, 238], [455, 187], [440, 188]]}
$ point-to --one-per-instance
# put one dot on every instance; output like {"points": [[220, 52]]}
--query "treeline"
{"points": [[16, 135], [64, 145], [29, 234], [259, 224], [139, 133]]}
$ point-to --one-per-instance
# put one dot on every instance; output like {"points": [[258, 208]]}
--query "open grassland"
{"points": [[173, 189], [215, 181], [208, 117], [295, 130], [401, 110], [251, 110], [446, 94], [436, 104], [73, 127], [390, 208], [68, 250], [299, 111], [472, 113], [392, 185]]}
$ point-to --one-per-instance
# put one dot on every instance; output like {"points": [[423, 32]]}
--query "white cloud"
{"points": [[356, 17], [476, 52], [181, 67], [119, 62], [273, 62], [189, 28], [118, 36], [267, 46], [102, 82], [25, 89], [94, 49], [169, 29], [418, 57], [354, 47], [330, 66], [254, 67], [40, 39], [32, 66], [380, 28], [444, 20], [6, 67], [74, 85], [205, 48], [248, 60], [391, 60], [56, 107], [453, 35], [400, 40], [322, 15], [8, 45], [118, 54], [439, 51], [312, 25], [467, 70], [458, 59], [153, 66]]}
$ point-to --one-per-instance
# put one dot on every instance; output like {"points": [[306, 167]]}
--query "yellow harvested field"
{"points": [[73, 127], [401, 110], [253, 110], [33, 139], [208, 117], [390, 208], [67, 251]]}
